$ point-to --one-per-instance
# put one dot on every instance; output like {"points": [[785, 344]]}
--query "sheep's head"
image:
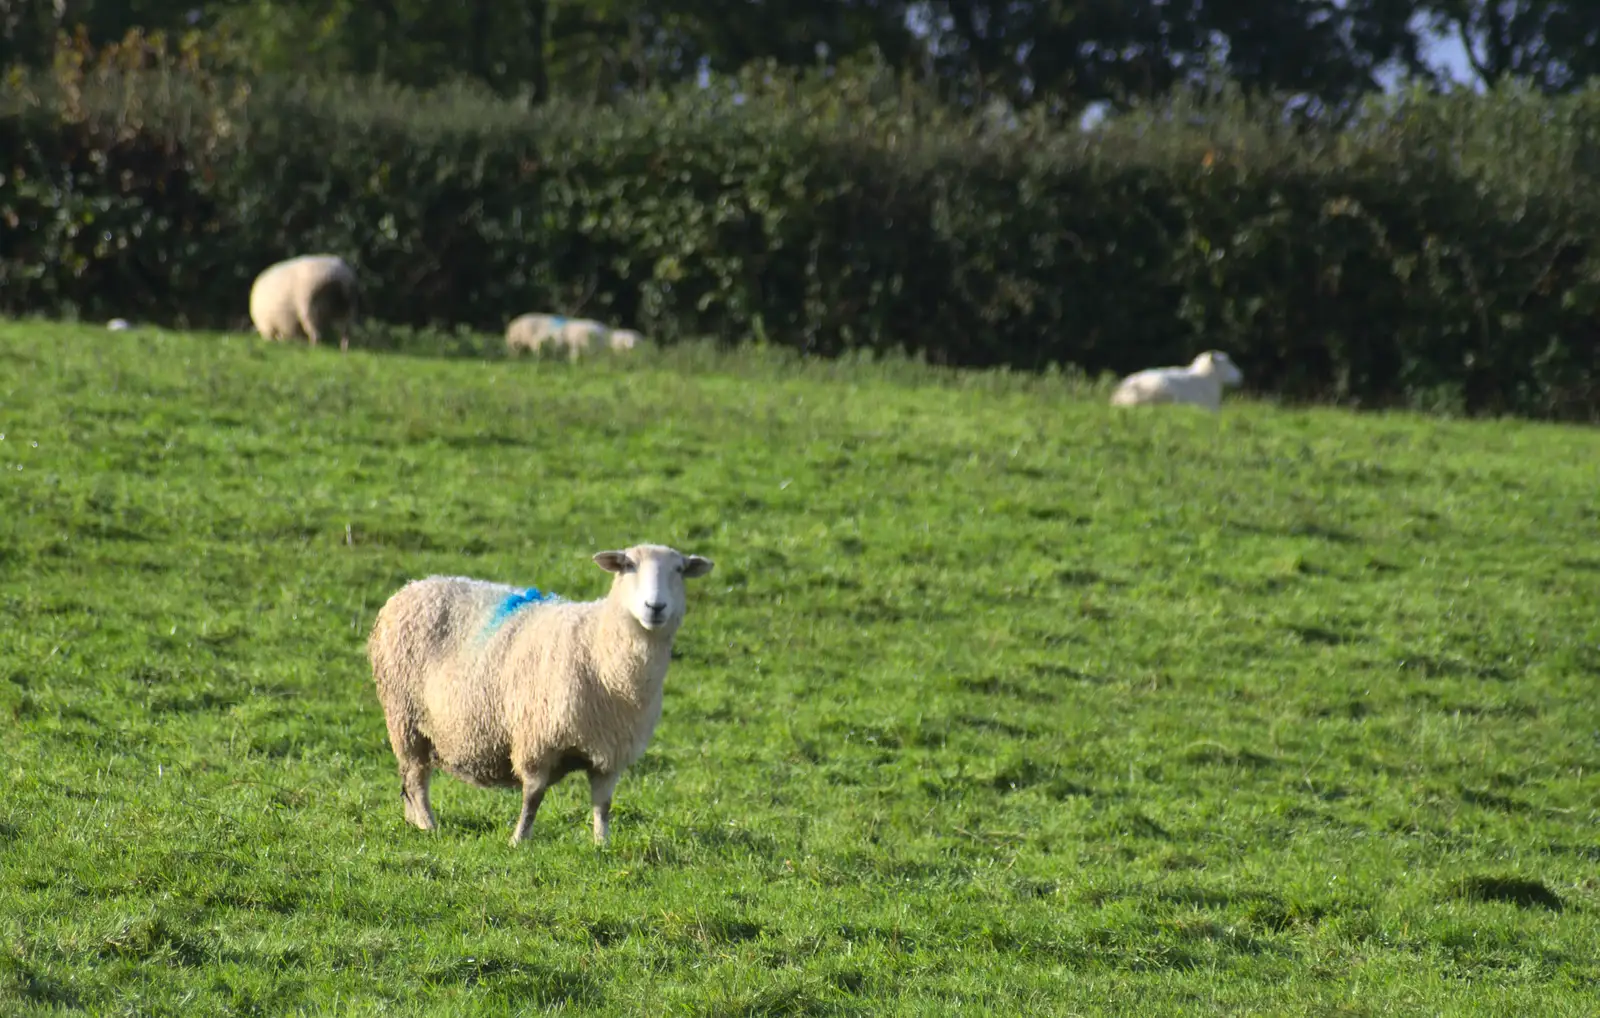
{"points": [[649, 582], [1218, 364]]}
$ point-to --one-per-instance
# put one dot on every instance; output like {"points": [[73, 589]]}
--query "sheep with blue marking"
{"points": [[532, 332], [535, 332], [504, 687]]}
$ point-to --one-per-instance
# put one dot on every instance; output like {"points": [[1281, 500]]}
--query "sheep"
{"points": [[119, 325], [1200, 383], [306, 296], [505, 687], [579, 334], [534, 332], [624, 339]]}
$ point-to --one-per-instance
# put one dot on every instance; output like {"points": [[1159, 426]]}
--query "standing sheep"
{"points": [[534, 332], [1199, 384], [305, 296], [578, 335], [503, 687], [623, 339]]}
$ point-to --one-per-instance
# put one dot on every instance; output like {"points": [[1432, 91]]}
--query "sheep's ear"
{"points": [[696, 565], [613, 561]]}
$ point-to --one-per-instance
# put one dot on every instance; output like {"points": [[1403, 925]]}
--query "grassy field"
{"points": [[998, 701]]}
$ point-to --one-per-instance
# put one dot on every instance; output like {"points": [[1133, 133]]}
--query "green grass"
{"points": [[999, 701]]}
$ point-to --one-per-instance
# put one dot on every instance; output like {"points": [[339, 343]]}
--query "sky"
{"points": [[1447, 52]]}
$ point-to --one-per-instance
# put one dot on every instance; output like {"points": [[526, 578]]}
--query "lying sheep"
{"points": [[306, 296], [503, 687], [1199, 384], [534, 332]]}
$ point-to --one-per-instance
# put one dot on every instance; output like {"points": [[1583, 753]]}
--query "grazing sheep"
{"points": [[578, 335], [1199, 384], [306, 296], [503, 687], [624, 339], [534, 332], [119, 325]]}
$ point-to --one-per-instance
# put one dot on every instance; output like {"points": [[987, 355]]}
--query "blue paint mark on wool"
{"points": [[514, 602]]}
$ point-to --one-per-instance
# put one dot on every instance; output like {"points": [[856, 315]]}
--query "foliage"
{"points": [[1069, 54], [1439, 251], [1060, 55], [998, 701], [1555, 44]]}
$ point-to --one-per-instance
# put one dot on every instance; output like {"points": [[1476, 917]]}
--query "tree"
{"points": [[596, 48], [1072, 52], [1554, 44], [28, 28], [1061, 54], [1329, 50]]}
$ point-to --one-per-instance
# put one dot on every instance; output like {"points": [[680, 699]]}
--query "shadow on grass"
{"points": [[527, 981], [1512, 890], [1215, 754], [36, 987], [1453, 668]]}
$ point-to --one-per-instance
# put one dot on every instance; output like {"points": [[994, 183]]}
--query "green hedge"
{"points": [[1439, 252]]}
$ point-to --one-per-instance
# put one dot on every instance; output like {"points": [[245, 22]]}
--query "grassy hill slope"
{"points": [[997, 701]]}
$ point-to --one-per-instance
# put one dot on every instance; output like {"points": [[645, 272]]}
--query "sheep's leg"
{"points": [[414, 753], [306, 311], [600, 788], [414, 778], [533, 789]]}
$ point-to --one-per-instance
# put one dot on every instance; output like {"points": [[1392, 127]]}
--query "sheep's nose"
{"points": [[658, 608]]}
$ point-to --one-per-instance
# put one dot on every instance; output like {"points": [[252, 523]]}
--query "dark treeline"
{"points": [[1060, 55], [830, 187]]}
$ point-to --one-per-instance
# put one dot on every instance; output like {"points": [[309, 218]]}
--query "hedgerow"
{"points": [[1438, 250]]}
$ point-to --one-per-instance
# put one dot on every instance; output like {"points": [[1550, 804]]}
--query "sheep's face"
{"points": [[1217, 363], [649, 582]]}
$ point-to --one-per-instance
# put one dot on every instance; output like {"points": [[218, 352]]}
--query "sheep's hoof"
{"points": [[421, 821]]}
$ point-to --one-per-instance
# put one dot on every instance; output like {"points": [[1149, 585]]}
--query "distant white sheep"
{"points": [[535, 332], [624, 339], [505, 687], [1199, 384], [578, 335], [119, 325], [530, 332], [308, 296]]}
